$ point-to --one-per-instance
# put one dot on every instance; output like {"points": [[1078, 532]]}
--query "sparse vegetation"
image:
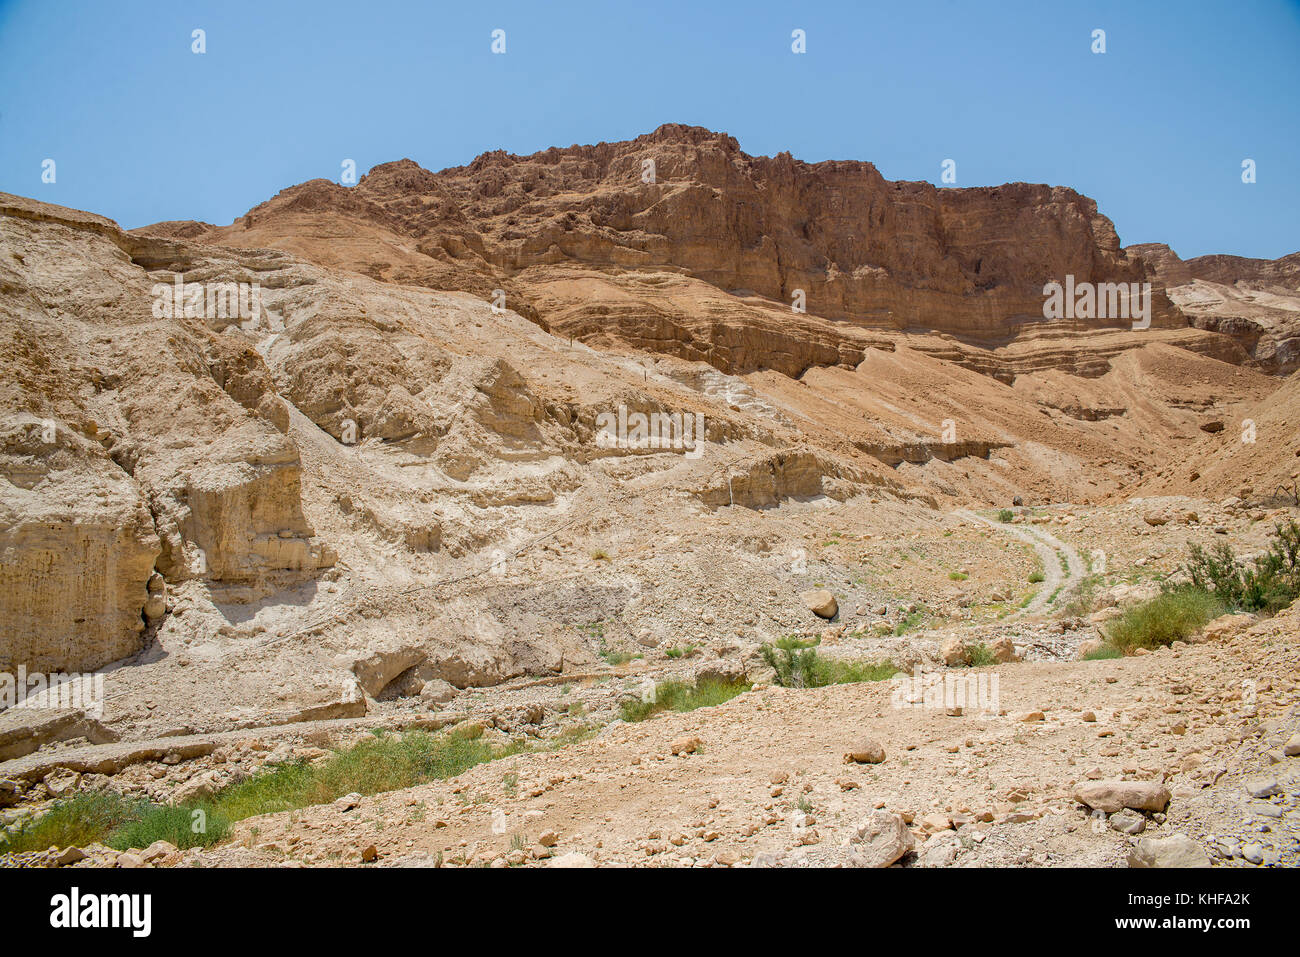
{"points": [[978, 655], [1269, 585], [909, 621], [798, 665], [76, 822], [1107, 650], [958, 576], [1036, 577], [1171, 616], [1216, 582], [1006, 515], [683, 696], [384, 762]]}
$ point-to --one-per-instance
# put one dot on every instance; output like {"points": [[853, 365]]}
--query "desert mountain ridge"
{"points": [[577, 241], [390, 496]]}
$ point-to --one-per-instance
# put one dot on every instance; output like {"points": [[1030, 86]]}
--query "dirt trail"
{"points": [[1049, 549]]}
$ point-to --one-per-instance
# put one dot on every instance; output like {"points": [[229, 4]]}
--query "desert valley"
{"points": [[647, 504]]}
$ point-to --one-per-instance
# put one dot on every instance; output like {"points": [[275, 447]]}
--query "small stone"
{"points": [[1004, 650], [954, 652], [865, 751], [1128, 822], [70, 855], [1261, 788], [688, 744], [1253, 853], [157, 851], [548, 839], [821, 603], [1176, 850]]}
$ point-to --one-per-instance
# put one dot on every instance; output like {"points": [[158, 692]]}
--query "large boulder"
{"points": [[880, 840], [821, 603], [1112, 796], [1176, 850]]}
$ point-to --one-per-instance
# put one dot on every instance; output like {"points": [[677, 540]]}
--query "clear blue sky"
{"points": [[1155, 129]]}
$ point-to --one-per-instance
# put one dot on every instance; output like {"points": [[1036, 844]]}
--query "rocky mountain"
{"points": [[1255, 301], [595, 416], [706, 262]]}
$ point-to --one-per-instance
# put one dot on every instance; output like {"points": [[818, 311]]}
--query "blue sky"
{"points": [[1155, 129]]}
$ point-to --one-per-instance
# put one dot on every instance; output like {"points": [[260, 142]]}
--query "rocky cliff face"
{"points": [[129, 442], [707, 260], [1256, 301]]}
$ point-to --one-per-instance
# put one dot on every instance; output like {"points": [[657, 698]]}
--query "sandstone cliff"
{"points": [[706, 261]]}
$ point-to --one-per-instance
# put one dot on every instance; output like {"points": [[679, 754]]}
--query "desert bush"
{"points": [[82, 819], [1173, 615], [382, 762], [797, 665], [683, 696], [1271, 584]]}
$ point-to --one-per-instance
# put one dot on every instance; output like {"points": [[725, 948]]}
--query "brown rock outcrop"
{"points": [[706, 261]]}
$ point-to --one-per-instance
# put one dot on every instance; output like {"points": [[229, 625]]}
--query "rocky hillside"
{"points": [[388, 477], [1256, 301]]}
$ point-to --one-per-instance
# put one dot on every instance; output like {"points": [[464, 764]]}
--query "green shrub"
{"points": [[1006, 515], [797, 665], [979, 655], [382, 762], [1036, 577], [172, 824], [77, 821], [1171, 616], [683, 696], [909, 621], [1271, 585]]}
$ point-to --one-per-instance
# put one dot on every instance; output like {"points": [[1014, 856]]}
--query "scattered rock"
{"points": [[1128, 822], [1175, 850], [865, 751], [70, 855], [821, 603], [1261, 788], [688, 744], [1112, 796]]}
